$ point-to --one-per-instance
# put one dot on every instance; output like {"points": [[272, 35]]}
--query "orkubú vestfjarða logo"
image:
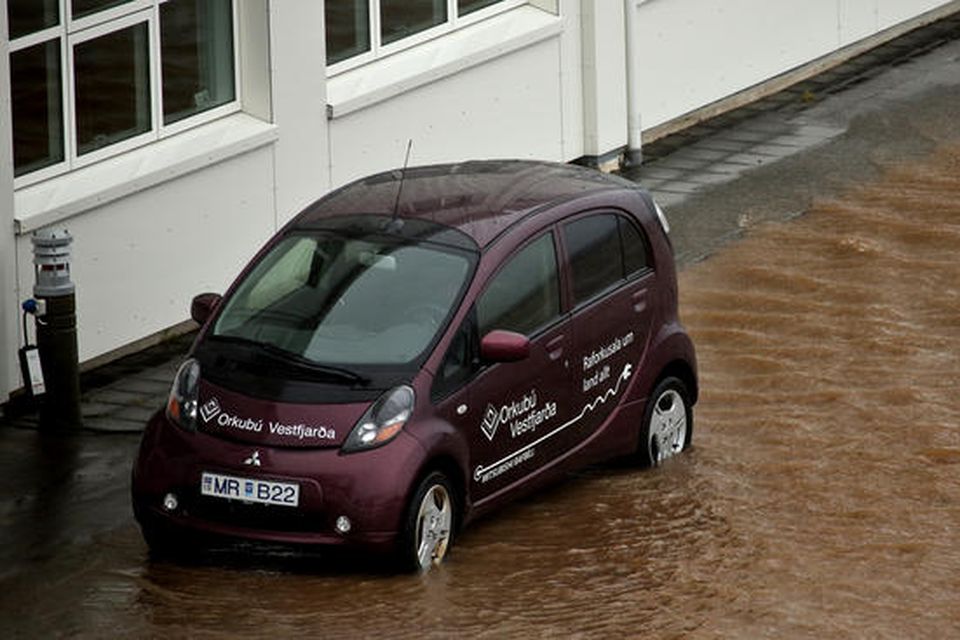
{"points": [[210, 410], [491, 420], [523, 415]]}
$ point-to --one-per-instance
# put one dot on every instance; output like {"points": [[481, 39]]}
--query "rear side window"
{"points": [[603, 249], [524, 296], [635, 255], [593, 246]]}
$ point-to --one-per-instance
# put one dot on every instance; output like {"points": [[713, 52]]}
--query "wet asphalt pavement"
{"points": [[606, 541]]}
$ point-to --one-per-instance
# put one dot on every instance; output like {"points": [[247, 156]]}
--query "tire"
{"points": [[161, 544], [163, 541], [428, 523], [667, 423]]}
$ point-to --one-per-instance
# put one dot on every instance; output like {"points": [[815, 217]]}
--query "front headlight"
{"points": [[382, 421], [182, 403]]}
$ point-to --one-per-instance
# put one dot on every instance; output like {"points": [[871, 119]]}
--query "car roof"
{"points": [[479, 198]]}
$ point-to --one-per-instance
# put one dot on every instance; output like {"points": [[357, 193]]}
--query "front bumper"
{"points": [[371, 488]]}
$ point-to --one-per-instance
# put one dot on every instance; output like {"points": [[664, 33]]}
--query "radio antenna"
{"points": [[403, 175]]}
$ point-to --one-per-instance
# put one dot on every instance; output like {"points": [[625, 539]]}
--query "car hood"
{"points": [[234, 416]]}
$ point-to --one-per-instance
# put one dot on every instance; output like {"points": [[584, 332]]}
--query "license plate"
{"points": [[217, 485]]}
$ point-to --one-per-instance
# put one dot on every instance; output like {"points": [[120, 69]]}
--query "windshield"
{"points": [[336, 299]]}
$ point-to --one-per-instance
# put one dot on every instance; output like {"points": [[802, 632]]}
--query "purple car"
{"points": [[416, 349]]}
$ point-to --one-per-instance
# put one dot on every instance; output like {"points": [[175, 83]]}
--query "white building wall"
{"points": [[893, 12], [506, 87], [544, 80], [138, 261], [508, 107], [695, 52]]}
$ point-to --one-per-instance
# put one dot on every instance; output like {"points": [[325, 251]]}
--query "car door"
{"points": [[510, 412], [610, 278]]}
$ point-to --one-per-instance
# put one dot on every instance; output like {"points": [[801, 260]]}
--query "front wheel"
{"points": [[165, 544], [429, 522], [667, 423]]}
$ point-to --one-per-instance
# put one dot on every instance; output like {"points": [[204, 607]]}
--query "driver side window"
{"points": [[524, 296]]}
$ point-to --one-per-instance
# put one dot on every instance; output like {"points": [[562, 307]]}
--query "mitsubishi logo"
{"points": [[253, 459]]}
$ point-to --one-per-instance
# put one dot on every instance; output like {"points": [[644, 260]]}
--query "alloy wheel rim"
{"points": [[434, 520], [668, 426]]}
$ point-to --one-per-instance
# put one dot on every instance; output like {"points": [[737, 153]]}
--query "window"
{"points": [[359, 29], [347, 300], [402, 18], [593, 244], [92, 78], [603, 250], [636, 258], [524, 296]]}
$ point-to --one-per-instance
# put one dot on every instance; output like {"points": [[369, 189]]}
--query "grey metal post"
{"points": [[57, 329]]}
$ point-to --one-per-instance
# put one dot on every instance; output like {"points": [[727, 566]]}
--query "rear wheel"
{"points": [[429, 522], [667, 422]]}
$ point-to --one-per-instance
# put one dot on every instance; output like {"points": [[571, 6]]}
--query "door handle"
{"points": [[639, 300], [555, 347]]}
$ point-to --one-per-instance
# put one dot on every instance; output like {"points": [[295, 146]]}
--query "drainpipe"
{"points": [[630, 17]]}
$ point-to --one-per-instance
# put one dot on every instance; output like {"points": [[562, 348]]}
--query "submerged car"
{"points": [[417, 348]]}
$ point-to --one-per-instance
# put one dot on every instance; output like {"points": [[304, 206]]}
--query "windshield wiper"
{"points": [[294, 360]]}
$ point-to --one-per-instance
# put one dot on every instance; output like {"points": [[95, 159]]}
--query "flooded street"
{"points": [[821, 499], [830, 354]]}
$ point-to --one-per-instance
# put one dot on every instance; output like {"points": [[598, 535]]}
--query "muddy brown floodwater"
{"points": [[822, 498]]}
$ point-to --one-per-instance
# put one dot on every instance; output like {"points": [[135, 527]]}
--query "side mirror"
{"points": [[504, 346], [203, 306]]}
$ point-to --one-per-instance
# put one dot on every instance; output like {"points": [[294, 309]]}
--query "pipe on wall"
{"points": [[634, 155]]}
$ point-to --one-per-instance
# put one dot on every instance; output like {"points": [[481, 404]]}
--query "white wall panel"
{"points": [[856, 19], [298, 84], [697, 51], [892, 12], [509, 107], [138, 261]]}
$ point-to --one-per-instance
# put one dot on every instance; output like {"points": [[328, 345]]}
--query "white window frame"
{"points": [[101, 17], [74, 159], [70, 33], [453, 23]]}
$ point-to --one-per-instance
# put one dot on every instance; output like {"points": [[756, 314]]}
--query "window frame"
{"points": [[98, 18], [103, 28], [71, 32], [378, 50], [26, 42]]}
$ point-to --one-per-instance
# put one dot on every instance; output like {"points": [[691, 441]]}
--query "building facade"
{"points": [[173, 137]]}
